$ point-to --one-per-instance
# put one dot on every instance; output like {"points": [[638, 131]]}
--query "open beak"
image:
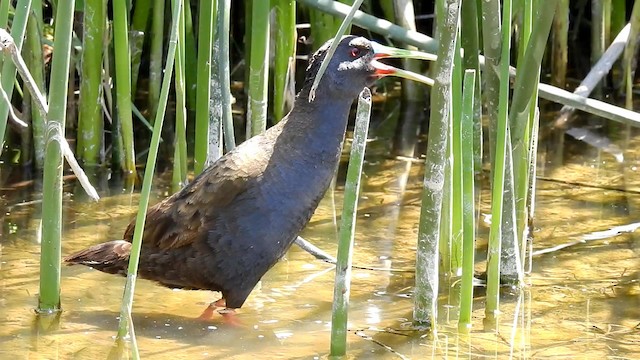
{"points": [[383, 52]]}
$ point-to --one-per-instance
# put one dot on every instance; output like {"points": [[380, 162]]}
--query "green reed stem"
{"points": [[155, 57], [35, 60], [492, 45], [467, 127], [90, 122], [322, 27], [497, 201], [630, 54], [469, 38], [223, 76], [606, 12], [180, 147], [4, 13], [50, 258], [190, 58], [136, 244], [18, 29], [206, 19], [446, 229], [457, 213], [50, 249], [285, 54], [5, 7], [523, 104], [426, 292], [139, 25], [117, 149], [342, 285], [123, 83], [525, 24], [618, 15], [258, 69]]}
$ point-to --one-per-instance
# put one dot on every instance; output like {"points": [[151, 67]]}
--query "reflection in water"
{"points": [[581, 301]]}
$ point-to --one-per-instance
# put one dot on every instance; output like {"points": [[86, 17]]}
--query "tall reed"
{"points": [[122, 58], [500, 164], [18, 29], [285, 54], [426, 291], [50, 258], [258, 68], [470, 42], [124, 326], [180, 142], [35, 63], [342, 284], [206, 19], [523, 111], [139, 25], [155, 57], [90, 122], [222, 92], [465, 163]]}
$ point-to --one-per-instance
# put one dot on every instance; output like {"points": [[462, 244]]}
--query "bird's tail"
{"points": [[110, 257]]}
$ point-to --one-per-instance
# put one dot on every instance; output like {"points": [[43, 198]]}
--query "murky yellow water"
{"points": [[582, 302]]}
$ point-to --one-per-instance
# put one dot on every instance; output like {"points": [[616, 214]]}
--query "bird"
{"points": [[237, 219]]}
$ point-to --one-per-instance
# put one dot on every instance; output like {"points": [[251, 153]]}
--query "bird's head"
{"points": [[355, 65], [348, 72]]}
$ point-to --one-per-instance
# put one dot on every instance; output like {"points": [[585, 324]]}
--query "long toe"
{"points": [[207, 314]]}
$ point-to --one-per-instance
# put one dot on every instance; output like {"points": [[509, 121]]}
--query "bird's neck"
{"points": [[312, 135], [317, 127]]}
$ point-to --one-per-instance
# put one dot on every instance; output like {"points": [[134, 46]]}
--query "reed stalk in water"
{"points": [[18, 29], [285, 53], [465, 164], [90, 121], [523, 111], [499, 171], [35, 63], [206, 19], [139, 25], [179, 176], [427, 260], [347, 228], [127, 300], [258, 68], [122, 60], [50, 257], [155, 56], [222, 93]]}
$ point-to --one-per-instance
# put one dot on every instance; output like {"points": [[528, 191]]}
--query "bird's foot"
{"points": [[230, 317], [207, 314]]}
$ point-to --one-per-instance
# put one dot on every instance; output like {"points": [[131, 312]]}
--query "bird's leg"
{"points": [[207, 314], [229, 316]]}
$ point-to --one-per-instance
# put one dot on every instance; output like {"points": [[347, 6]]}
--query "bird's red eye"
{"points": [[355, 52]]}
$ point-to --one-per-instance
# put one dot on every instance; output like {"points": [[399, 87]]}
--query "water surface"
{"points": [[582, 301]]}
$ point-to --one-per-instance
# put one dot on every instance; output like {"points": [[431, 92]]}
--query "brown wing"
{"points": [[178, 220]]}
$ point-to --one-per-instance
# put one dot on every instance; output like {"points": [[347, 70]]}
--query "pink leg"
{"points": [[230, 318], [207, 314]]}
